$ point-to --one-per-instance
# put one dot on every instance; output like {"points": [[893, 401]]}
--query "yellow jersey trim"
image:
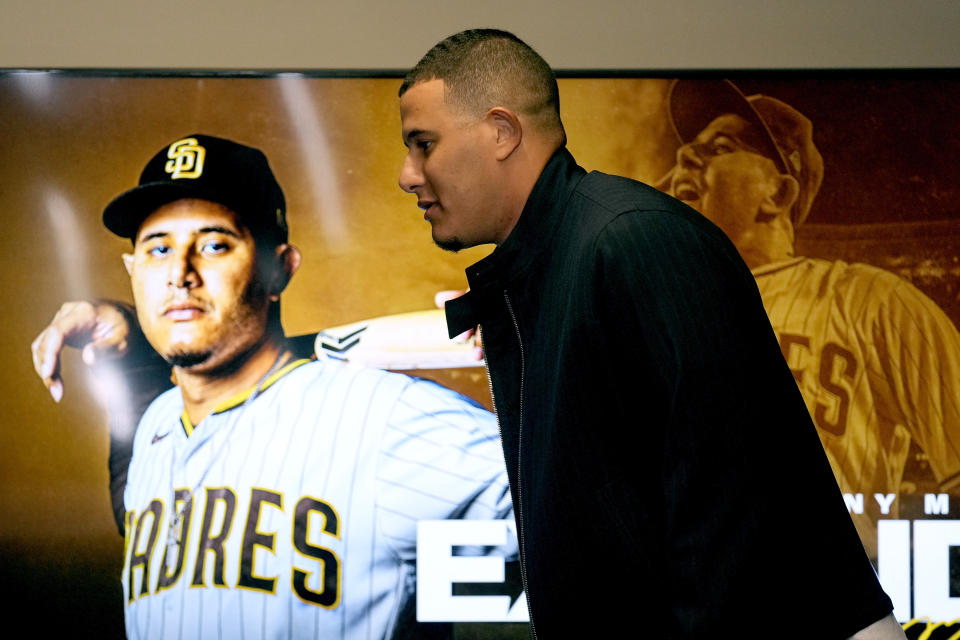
{"points": [[242, 397], [185, 423]]}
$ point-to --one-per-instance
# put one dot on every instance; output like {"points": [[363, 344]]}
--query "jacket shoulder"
{"points": [[608, 202], [613, 196], [618, 194]]}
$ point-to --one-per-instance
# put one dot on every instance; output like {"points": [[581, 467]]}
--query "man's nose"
{"points": [[183, 273], [411, 175], [688, 158]]}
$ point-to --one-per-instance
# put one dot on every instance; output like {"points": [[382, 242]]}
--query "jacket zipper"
{"points": [[519, 508]]}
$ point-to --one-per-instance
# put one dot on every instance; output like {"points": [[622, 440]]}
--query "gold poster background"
{"points": [[72, 141]]}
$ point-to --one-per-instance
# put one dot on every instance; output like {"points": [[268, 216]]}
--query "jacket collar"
{"points": [[532, 235]]}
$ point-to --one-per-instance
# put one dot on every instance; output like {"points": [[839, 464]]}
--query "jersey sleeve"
{"points": [[441, 459], [753, 523], [918, 349]]}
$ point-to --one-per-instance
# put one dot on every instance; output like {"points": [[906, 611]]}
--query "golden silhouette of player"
{"points": [[877, 361]]}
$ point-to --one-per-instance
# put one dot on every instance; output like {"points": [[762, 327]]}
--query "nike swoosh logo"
{"points": [[158, 437]]}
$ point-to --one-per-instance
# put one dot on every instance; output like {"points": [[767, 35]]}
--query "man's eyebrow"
{"points": [[225, 230], [151, 236], [410, 135], [214, 229]]}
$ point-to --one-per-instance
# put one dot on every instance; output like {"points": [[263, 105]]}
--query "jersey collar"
{"points": [[242, 397]]}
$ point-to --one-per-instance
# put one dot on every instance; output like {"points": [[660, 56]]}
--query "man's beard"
{"points": [[452, 244], [254, 297], [187, 359]]}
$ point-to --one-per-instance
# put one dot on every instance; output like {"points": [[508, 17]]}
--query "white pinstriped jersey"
{"points": [[304, 522], [878, 364]]}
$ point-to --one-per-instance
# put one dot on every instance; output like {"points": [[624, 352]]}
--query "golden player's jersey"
{"points": [[878, 364]]}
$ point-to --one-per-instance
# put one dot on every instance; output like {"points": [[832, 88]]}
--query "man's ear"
{"points": [[508, 130], [784, 192], [128, 263], [287, 262]]}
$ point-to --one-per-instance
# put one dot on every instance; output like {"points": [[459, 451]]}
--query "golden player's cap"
{"points": [[695, 103], [207, 168]]}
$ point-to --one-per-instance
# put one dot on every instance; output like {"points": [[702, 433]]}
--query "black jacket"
{"points": [[667, 479]]}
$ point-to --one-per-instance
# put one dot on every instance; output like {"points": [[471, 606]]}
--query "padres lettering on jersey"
{"points": [[878, 364], [206, 560], [295, 515]]}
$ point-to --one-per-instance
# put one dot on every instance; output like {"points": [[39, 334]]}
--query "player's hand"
{"points": [[440, 300], [100, 329]]}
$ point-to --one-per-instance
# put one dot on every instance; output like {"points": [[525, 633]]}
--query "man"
{"points": [[877, 361], [634, 374], [267, 494]]}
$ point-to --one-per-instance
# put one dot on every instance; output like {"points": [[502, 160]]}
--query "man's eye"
{"points": [[723, 144], [158, 251], [424, 145], [214, 248]]}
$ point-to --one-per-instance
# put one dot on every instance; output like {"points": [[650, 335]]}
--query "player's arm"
{"points": [[110, 341]]}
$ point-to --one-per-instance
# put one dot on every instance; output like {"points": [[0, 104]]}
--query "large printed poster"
{"points": [[861, 284]]}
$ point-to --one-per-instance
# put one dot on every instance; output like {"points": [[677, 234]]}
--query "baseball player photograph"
{"points": [[877, 361], [867, 350], [267, 493]]}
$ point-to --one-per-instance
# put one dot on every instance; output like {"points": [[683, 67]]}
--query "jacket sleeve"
{"points": [[754, 524]]}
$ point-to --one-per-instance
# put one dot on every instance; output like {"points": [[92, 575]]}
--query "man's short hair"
{"points": [[486, 68]]}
